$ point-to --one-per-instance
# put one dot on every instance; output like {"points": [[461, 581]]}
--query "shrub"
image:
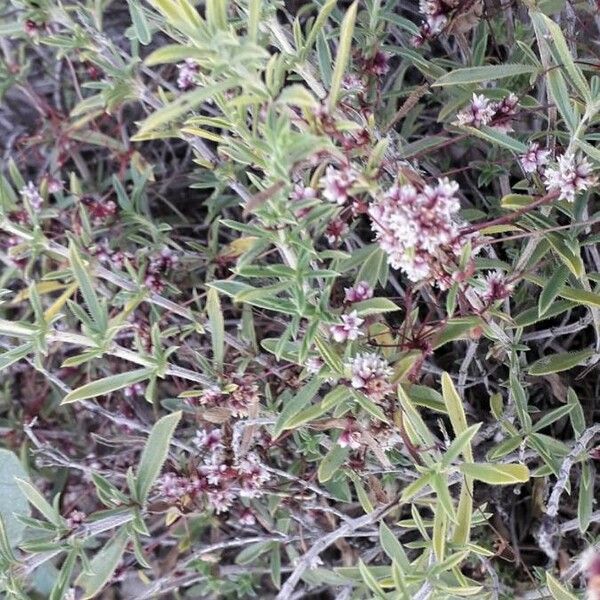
{"points": [[299, 300]]}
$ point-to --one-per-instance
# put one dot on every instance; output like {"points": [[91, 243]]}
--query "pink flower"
{"points": [[361, 291], [572, 174], [350, 437], [534, 159], [220, 500], [335, 231], [314, 364], [349, 329], [301, 192], [337, 184], [418, 230], [495, 287], [247, 517]]}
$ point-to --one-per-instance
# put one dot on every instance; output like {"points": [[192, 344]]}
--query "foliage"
{"points": [[298, 299]]}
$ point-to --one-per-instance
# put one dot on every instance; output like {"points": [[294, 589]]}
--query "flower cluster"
{"points": [[572, 174], [495, 287], [435, 13], [237, 396], [535, 158], [418, 229], [483, 112], [188, 73], [337, 183], [159, 264], [361, 291], [370, 374], [99, 210], [220, 480], [31, 194]]}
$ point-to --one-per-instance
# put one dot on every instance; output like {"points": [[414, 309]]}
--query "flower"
{"points": [[417, 230], [478, 113], [220, 499], [361, 291], [350, 437], [571, 175], [503, 111], [337, 183], [209, 440], [314, 364], [534, 159], [302, 192], [348, 329], [495, 287], [188, 70], [335, 231], [247, 517], [32, 195], [172, 488], [370, 373], [252, 476], [164, 260]]}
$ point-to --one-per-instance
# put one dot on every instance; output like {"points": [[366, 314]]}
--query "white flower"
{"points": [[534, 159], [413, 227], [572, 174], [220, 500], [349, 329], [337, 184], [32, 195]]}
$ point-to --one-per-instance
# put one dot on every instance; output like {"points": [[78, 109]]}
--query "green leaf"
{"points": [[560, 95], [331, 462], [217, 327], [496, 474], [553, 416], [154, 454], [370, 580], [140, 23], [392, 547], [15, 354], [487, 73], [559, 362], [585, 502], [374, 306], [343, 55], [329, 355], [331, 400], [103, 565], [498, 138], [438, 535], [552, 288], [107, 385], [562, 54], [39, 502], [13, 502], [456, 412], [176, 109], [86, 286], [295, 405], [557, 590]]}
